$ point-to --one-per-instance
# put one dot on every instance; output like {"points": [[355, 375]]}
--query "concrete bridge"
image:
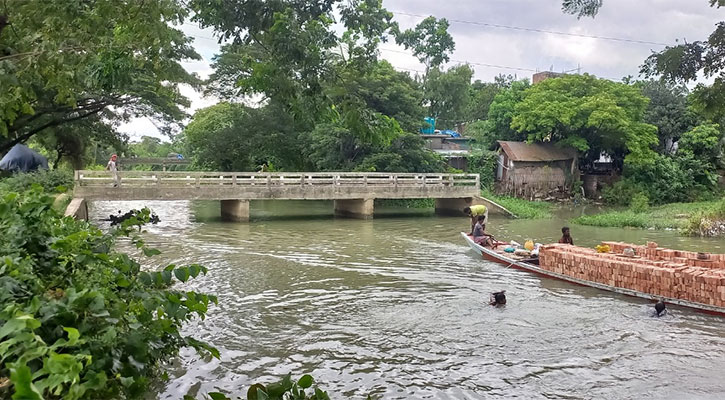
{"points": [[353, 193]]}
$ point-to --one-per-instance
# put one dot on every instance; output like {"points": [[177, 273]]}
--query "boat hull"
{"points": [[491, 255]]}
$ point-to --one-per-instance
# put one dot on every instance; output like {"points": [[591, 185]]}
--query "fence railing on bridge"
{"points": [[265, 179]]}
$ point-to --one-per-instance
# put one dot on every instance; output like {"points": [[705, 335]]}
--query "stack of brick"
{"points": [[654, 270]]}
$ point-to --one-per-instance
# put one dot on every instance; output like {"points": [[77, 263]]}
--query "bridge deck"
{"points": [[153, 185]]}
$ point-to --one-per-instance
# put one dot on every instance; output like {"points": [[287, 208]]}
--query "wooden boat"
{"points": [[498, 255]]}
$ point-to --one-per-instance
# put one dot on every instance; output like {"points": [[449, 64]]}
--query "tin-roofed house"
{"points": [[535, 169]]}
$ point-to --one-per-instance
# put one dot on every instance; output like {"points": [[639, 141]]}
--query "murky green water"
{"points": [[396, 307]]}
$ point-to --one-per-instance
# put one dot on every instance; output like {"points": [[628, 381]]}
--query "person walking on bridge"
{"points": [[111, 166], [474, 212]]}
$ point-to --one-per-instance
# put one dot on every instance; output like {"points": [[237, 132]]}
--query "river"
{"points": [[396, 307]]}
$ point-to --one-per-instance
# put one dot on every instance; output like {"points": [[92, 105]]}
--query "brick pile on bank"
{"points": [[654, 270]]}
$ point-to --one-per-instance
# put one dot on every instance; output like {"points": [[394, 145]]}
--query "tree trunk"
{"points": [[3, 23]]}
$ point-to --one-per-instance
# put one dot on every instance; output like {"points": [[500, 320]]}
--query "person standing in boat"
{"points": [[474, 212], [566, 236]]}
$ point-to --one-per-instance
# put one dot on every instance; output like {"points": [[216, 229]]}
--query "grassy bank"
{"points": [[669, 216], [522, 208], [405, 203]]}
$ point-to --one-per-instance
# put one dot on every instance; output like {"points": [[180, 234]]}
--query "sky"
{"points": [[497, 50]]}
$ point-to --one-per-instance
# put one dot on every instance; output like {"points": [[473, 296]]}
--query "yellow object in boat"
{"points": [[529, 245], [603, 248]]}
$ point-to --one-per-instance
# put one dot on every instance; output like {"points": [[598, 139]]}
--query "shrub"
{"points": [[639, 203], [522, 208], [50, 180], [620, 193], [483, 162], [79, 320]]}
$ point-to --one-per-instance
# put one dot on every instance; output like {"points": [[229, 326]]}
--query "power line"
{"points": [[519, 28], [471, 62]]}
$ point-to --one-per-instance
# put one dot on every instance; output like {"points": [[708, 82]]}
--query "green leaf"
{"points": [[218, 396], [73, 335], [23, 384], [148, 252], [254, 390], [182, 274], [305, 381]]}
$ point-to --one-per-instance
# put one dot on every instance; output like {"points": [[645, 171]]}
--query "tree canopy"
{"points": [[592, 115], [62, 62], [430, 41]]}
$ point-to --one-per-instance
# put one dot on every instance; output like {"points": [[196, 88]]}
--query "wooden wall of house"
{"points": [[529, 179]]}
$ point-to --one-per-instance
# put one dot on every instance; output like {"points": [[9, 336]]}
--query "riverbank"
{"points": [[524, 209], [700, 218]]}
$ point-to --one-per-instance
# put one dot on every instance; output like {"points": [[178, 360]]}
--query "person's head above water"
{"points": [[565, 231]]}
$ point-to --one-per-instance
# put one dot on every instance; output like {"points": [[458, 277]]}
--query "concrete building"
{"points": [[536, 169], [544, 75], [454, 149]]}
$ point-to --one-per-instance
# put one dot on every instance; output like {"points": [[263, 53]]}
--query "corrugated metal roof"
{"points": [[520, 151]]}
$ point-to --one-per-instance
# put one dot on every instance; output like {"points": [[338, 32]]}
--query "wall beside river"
{"points": [[396, 307]]}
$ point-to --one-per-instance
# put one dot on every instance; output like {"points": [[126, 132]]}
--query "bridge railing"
{"points": [[181, 179]]}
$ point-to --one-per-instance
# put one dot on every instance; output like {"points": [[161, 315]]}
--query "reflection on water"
{"points": [[396, 307]]}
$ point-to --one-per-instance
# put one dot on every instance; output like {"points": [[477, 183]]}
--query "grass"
{"points": [[405, 203], [669, 216], [522, 208]]}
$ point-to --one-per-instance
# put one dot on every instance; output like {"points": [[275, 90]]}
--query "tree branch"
{"points": [[27, 135]]}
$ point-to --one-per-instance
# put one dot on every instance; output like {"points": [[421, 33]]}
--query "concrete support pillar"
{"points": [[358, 208], [235, 210], [452, 207], [78, 209]]}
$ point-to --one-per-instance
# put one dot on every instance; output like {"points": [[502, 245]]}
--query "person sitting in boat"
{"points": [[479, 232], [474, 212], [566, 236]]}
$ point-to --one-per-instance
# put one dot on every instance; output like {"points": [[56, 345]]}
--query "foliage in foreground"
{"points": [[77, 319], [523, 208], [49, 180], [286, 389]]}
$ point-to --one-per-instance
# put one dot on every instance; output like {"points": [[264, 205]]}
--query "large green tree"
{"points": [[497, 125], [592, 115], [64, 61], [234, 137], [290, 53], [668, 111], [447, 94], [430, 42]]}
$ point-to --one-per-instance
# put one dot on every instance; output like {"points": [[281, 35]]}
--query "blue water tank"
{"points": [[430, 126]]}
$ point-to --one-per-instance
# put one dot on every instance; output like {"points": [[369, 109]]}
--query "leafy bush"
{"points": [[286, 389], [483, 162], [639, 203], [620, 193], [79, 320], [50, 180]]}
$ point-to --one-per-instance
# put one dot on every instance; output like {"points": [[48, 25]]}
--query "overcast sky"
{"points": [[519, 52]]}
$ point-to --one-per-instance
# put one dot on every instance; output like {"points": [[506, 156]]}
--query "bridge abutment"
{"points": [[235, 210], [357, 208], [452, 207]]}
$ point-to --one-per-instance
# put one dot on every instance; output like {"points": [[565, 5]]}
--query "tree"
{"points": [[430, 42], [668, 111], [704, 143], [289, 52], [62, 62], [407, 153], [592, 115], [447, 94], [481, 95], [233, 137], [501, 111]]}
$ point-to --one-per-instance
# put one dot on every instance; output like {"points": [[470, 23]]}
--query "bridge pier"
{"points": [[357, 208], [453, 207], [235, 210]]}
